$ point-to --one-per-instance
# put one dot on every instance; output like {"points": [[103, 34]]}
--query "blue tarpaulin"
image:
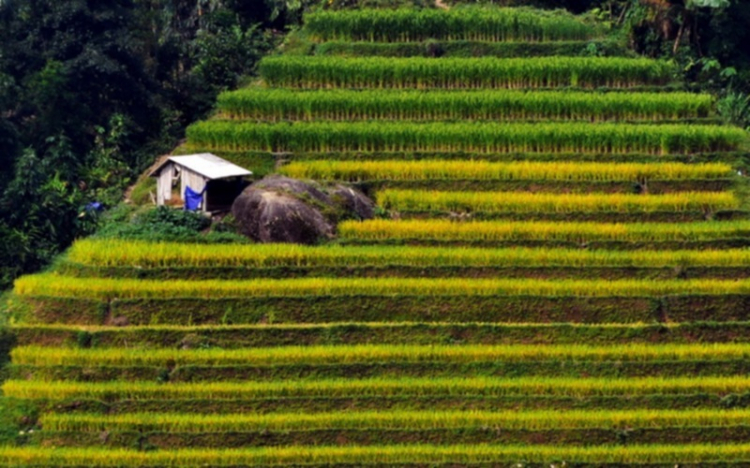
{"points": [[193, 199]]}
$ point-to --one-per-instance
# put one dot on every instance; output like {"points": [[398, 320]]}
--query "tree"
{"points": [[91, 91]]}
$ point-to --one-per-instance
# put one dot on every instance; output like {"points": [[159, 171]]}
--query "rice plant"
{"points": [[467, 23], [376, 455], [507, 231], [109, 289], [395, 420], [347, 354], [142, 254], [523, 202], [377, 387], [462, 73], [347, 105], [480, 138], [358, 171]]}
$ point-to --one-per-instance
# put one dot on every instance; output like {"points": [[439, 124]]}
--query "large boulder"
{"points": [[353, 202], [281, 209]]}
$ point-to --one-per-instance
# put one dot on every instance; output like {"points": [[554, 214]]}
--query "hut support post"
{"points": [[164, 186]]}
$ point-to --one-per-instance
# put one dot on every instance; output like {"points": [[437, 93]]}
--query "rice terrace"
{"points": [[557, 273]]}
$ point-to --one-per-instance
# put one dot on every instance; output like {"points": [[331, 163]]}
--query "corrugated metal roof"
{"points": [[208, 165]]}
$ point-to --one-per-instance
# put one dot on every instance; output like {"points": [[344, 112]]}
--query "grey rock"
{"points": [[281, 209], [353, 201]]}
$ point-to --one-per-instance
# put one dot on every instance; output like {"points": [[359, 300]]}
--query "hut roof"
{"points": [[208, 165]]}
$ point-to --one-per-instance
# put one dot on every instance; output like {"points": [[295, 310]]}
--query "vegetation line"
{"points": [[355, 171], [480, 138], [467, 23], [444, 230], [411, 420], [109, 289], [462, 73], [49, 356], [373, 455], [377, 387], [522, 202], [142, 254], [347, 105]]}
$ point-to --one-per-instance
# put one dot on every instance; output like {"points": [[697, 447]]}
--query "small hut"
{"points": [[207, 182]]}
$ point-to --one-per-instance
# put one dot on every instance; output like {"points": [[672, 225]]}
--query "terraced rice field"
{"points": [[560, 276]]}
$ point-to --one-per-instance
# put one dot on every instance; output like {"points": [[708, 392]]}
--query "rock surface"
{"points": [[352, 201], [281, 209]]}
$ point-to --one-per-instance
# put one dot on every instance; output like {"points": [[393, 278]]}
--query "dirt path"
{"points": [[441, 4]]}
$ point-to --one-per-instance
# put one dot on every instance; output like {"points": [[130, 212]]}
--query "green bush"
{"points": [[165, 224]]}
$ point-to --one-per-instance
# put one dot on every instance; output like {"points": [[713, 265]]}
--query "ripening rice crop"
{"points": [[347, 105], [444, 230], [524, 202], [467, 23], [357, 171], [347, 354], [482, 138], [109, 289], [462, 73], [377, 387], [402, 420], [393, 455], [141, 254]]}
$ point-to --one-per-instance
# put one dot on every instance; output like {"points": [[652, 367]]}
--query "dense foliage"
{"points": [[91, 91], [164, 223]]}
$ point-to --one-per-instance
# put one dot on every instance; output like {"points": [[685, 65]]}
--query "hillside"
{"points": [[559, 272]]}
